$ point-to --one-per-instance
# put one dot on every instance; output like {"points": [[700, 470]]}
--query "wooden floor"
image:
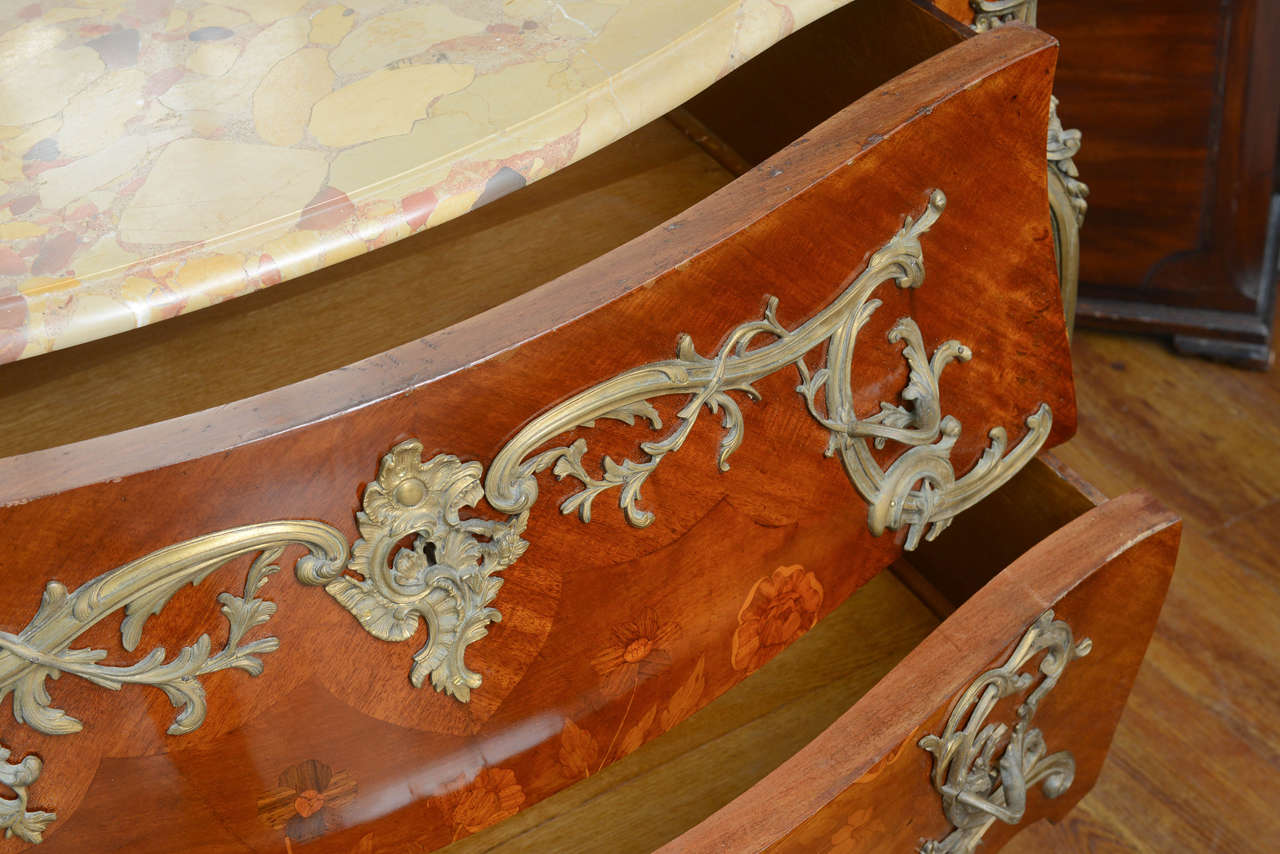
{"points": [[1196, 762]]}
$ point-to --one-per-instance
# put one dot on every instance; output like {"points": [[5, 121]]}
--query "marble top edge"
{"points": [[158, 157]]}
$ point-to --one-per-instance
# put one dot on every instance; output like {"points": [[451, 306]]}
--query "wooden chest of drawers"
{"points": [[338, 611]]}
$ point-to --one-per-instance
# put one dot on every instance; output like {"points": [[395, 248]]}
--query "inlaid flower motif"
{"points": [[688, 697], [779, 608], [579, 752], [488, 799], [640, 649], [304, 803]]}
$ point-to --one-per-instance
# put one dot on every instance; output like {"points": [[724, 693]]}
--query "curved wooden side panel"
{"points": [[610, 633], [1074, 614]]}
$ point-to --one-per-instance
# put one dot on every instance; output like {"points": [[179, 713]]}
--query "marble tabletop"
{"points": [[158, 157]]}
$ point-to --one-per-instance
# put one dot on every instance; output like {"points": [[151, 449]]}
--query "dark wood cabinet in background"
{"points": [[1179, 103]]}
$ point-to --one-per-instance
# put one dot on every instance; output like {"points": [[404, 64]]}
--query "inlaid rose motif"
{"points": [[491, 797], [779, 609], [579, 752]]}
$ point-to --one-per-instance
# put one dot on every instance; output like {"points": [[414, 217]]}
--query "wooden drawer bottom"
{"points": [[821, 748]]}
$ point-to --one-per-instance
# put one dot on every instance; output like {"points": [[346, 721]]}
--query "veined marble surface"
{"points": [[158, 157]]}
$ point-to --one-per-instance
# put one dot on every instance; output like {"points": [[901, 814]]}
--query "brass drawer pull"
{"points": [[448, 575], [918, 491], [975, 792], [141, 589], [988, 14], [1067, 193]]}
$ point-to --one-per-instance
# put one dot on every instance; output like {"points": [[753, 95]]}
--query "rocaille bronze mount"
{"points": [[449, 575], [979, 788], [1067, 193]]}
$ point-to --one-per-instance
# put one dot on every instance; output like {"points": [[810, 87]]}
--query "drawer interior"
{"points": [[680, 778], [670, 784], [401, 292]]}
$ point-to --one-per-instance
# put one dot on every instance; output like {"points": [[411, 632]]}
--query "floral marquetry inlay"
{"points": [[437, 532], [494, 794], [427, 555], [640, 649], [583, 750], [778, 610], [306, 799]]}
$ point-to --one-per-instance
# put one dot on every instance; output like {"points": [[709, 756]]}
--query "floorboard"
{"points": [[1196, 760]]}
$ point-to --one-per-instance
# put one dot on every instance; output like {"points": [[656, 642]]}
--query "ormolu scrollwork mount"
{"points": [[450, 574], [1067, 193]]}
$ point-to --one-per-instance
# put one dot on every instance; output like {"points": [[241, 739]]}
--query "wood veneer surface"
{"points": [[367, 305], [1178, 107], [900, 157], [640, 803], [788, 228], [692, 771], [859, 785], [1198, 748], [765, 104]]}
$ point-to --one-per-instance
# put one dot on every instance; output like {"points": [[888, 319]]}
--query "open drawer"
{"points": [[438, 646], [831, 745]]}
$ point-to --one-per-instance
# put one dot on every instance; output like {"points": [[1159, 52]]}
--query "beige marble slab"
{"points": [[158, 157]]}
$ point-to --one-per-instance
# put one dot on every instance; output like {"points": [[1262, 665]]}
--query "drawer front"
{"points": [[1002, 717], [393, 708]]}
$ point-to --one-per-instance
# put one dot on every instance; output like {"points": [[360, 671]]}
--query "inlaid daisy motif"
{"points": [[640, 650]]}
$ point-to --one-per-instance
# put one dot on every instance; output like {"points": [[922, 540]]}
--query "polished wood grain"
{"points": [[639, 803], [860, 786], [416, 767], [1179, 103], [960, 10], [767, 103], [1198, 749], [883, 173], [1042, 498], [1128, 545], [675, 781]]}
